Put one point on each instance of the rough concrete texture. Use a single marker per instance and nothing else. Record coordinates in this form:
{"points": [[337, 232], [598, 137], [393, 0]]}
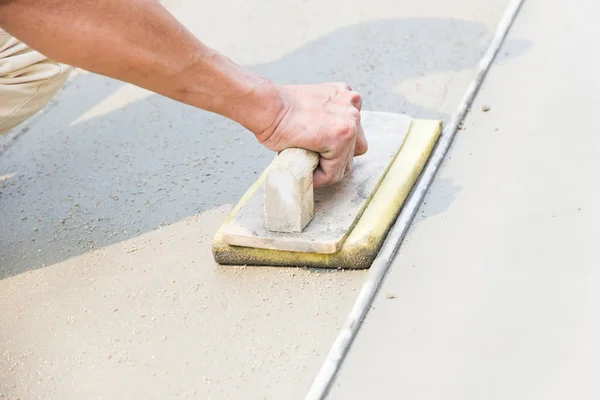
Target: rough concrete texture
{"points": [[94, 177], [151, 318], [495, 293]]}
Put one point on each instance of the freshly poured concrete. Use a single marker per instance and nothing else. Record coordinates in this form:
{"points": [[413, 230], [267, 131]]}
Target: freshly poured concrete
{"points": [[495, 293], [83, 191]]}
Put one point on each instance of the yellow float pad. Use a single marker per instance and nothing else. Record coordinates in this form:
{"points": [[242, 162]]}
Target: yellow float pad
{"points": [[364, 241]]}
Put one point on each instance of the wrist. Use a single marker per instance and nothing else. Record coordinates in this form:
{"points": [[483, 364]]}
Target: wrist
{"points": [[221, 86], [260, 110]]}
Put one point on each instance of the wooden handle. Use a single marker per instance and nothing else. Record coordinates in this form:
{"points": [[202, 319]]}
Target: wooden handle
{"points": [[289, 201]]}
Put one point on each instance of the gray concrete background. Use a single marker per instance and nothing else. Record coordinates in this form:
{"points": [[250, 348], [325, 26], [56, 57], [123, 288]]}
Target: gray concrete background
{"points": [[109, 201], [496, 296]]}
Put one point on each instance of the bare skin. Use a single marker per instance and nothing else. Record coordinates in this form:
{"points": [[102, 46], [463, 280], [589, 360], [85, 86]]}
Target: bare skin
{"points": [[140, 42]]}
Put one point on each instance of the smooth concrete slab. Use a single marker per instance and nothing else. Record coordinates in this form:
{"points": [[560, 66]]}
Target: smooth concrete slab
{"points": [[495, 293], [110, 166]]}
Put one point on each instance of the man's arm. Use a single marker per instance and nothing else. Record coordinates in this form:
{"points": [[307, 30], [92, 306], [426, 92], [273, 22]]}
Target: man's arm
{"points": [[140, 42]]}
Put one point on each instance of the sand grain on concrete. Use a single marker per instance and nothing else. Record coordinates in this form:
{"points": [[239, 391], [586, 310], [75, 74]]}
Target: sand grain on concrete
{"points": [[153, 317]]}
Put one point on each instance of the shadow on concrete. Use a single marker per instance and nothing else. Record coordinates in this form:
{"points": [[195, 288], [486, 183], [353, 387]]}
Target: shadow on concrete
{"points": [[84, 185]]}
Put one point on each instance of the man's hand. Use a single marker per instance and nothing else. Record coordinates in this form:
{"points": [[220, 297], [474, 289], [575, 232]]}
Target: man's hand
{"points": [[323, 118]]}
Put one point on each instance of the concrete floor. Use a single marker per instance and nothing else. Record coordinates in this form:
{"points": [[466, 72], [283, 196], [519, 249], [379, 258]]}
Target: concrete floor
{"points": [[496, 295], [109, 201]]}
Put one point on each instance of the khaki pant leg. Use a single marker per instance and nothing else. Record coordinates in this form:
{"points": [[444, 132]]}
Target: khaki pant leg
{"points": [[28, 81]]}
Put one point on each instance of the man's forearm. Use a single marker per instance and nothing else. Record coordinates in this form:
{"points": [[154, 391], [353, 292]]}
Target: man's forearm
{"points": [[140, 42]]}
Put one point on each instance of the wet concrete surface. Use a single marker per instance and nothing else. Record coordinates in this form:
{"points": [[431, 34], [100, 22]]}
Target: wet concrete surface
{"points": [[109, 201], [151, 317], [495, 296]]}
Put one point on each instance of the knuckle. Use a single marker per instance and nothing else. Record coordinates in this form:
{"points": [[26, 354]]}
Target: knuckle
{"points": [[347, 130], [355, 100], [355, 97], [354, 114]]}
